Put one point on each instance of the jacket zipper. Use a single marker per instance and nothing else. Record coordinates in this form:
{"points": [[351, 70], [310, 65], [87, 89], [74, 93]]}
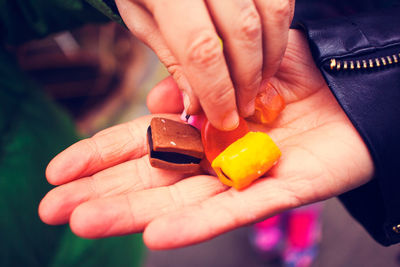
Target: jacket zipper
{"points": [[364, 63]]}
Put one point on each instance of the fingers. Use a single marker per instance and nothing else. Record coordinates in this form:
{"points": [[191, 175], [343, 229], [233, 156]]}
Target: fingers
{"points": [[132, 212], [105, 149], [288, 185], [255, 34], [249, 28], [219, 214], [197, 48], [135, 175], [240, 27], [141, 23], [165, 97], [101, 151], [276, 17]]}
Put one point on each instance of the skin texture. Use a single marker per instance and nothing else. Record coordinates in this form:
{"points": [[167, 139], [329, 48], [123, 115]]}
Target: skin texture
{"points": [[186, 36], [107, 188]]}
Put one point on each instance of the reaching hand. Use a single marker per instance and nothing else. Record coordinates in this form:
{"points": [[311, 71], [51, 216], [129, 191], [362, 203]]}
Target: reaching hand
{"points": [[184, 36], [107, 187]]}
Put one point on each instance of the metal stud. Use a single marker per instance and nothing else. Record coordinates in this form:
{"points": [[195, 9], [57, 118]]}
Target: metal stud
{"points": [[364, 64], [383, 61], [371, 63], [333, 63], [378, 64], [396, 229]]}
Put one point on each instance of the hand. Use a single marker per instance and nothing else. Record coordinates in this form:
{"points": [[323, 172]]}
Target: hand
{"points": [[107, 187], [184, 34]]}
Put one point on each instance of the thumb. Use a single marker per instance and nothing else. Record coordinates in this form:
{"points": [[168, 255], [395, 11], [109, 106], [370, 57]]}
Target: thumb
{"points": [[165, 97]]}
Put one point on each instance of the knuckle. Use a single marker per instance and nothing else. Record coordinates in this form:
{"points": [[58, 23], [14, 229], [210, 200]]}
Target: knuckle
{"points": [[218, 97], [205, 49], [93, 186], [94, 149], [165, 56], [250, 25], [172, 68], [176, 71], [281, 9]]}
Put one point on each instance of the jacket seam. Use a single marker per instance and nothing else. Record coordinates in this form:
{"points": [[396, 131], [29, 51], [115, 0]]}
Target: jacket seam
{"points": [[360, 31]]}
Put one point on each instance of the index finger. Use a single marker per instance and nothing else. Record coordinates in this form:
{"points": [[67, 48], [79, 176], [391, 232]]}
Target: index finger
{"points": [[105, 149], [191, 36]]}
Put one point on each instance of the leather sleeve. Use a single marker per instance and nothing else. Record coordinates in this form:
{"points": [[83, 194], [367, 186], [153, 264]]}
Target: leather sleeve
{"points": [[108, 8], [359, 57]]}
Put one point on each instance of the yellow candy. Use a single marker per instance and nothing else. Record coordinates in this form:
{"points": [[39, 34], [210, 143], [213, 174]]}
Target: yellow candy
{"points": [[246, 159]]}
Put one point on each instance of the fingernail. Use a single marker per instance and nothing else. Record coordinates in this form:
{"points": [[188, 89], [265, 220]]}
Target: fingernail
{"points": [[231, 121], [186, 102], [197, 121], [184, 116]]}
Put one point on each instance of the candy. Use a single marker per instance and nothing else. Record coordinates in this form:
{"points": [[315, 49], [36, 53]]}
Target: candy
{"points": [[268, 104], [238, 157], [174, 145], [246, 159], [215, 141]]}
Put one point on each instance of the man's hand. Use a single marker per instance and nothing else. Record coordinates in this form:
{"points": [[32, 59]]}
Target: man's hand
{"points": [[107, 187], [185, 36]]}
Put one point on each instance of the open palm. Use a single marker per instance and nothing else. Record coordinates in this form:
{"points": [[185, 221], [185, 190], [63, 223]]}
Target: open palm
{"points": [[107, 187]]}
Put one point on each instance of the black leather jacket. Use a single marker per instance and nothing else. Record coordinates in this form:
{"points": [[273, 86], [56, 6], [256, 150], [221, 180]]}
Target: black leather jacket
{"points": [[359, 57]]}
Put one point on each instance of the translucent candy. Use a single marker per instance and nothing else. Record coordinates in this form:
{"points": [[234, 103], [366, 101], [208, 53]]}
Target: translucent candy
{"points": [[269, 103], [215, 141], [239, 157]]}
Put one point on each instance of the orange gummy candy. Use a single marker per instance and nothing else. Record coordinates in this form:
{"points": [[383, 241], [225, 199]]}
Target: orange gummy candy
{"points": [[269, 103], [215, 141]]}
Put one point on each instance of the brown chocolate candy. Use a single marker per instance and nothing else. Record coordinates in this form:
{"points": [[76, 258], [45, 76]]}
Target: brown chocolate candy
{"points": [[174, 145]]}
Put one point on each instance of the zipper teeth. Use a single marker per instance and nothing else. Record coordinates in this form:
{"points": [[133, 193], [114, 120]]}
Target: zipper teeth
{"points": [[364, 63]]}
